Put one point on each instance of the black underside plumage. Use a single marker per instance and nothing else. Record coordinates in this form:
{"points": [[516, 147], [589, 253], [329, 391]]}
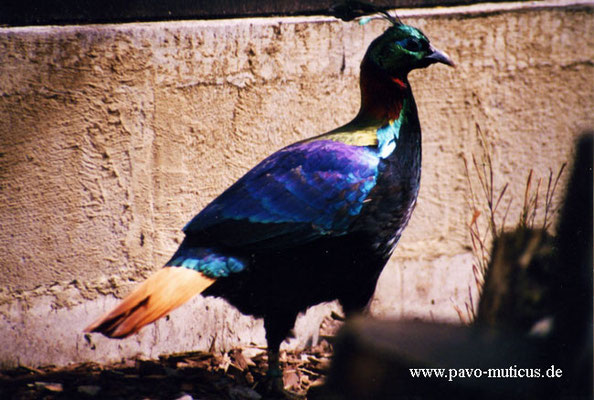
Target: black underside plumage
{"points": [[277, 285]]}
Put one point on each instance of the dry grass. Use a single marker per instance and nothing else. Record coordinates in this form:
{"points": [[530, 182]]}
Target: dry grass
{"points": [[490, 204]]}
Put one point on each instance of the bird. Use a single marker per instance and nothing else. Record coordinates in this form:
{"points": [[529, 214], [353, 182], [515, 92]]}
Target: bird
{"points": [[314, 222]]}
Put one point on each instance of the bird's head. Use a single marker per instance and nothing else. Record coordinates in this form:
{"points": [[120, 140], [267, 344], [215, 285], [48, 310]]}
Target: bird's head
{"points": [[402, 48]]}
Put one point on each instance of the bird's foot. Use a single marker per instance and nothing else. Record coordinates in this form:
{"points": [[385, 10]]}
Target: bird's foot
{"points": [[273, 388]]}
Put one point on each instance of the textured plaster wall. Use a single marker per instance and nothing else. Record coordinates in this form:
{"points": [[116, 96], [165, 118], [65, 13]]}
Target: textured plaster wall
{"points": [[113, 136]]}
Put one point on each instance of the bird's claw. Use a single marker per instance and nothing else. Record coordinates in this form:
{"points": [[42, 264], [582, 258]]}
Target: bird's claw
{"points": [[274, 389]]}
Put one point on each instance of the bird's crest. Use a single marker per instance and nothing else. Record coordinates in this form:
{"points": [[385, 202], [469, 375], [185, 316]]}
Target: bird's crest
{"points": [[352, 9]]}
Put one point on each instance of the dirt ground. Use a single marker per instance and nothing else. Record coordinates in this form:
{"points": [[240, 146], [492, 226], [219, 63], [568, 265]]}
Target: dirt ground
{"points": [[235, 375], [196, 375]]}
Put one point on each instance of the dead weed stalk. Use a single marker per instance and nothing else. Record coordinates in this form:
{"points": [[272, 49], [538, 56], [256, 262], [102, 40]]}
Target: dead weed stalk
{"points": [[490, 207]]}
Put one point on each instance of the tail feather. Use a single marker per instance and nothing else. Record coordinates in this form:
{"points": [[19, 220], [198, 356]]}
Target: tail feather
{"points": [[162, 292]]}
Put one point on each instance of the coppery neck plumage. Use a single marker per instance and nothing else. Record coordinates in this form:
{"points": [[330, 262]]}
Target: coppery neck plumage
{"points": [[382, 95]]}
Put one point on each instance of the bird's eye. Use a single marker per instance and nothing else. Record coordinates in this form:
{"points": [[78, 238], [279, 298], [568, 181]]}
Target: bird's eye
{"points": [[410, 44]]}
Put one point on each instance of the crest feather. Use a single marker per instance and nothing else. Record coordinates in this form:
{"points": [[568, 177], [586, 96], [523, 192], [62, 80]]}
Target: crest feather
{"points": [[351, 9]]}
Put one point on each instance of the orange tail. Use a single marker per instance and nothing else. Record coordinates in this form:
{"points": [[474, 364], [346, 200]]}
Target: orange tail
{"points": [[162, 292]]}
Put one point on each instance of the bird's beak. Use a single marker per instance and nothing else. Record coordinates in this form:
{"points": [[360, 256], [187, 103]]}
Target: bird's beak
{"points": [[439, 56]]}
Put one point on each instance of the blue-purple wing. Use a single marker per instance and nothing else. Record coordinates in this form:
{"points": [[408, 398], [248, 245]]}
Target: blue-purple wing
{"points": [[300, 193]]}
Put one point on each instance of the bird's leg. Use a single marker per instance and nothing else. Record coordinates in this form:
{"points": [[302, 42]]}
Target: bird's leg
{"points": [[274, 369], [274, 375], [277, 328], [274, 386]]}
